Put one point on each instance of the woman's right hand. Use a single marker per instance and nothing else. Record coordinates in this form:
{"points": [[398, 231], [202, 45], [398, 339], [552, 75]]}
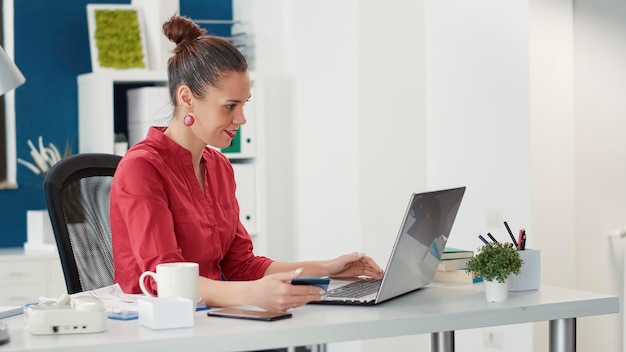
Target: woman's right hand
{"points": [[276, 293]]}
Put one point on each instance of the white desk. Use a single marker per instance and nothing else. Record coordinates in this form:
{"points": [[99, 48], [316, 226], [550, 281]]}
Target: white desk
{"points": [[438, 310]]}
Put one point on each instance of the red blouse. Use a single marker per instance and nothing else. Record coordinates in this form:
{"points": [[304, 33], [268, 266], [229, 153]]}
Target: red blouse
{"points": [[159, 214]]}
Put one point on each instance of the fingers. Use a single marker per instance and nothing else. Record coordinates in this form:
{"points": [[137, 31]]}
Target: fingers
{"points": [[299, 301], [279, 294], [286, 276], [376, 274], [367, 266], [371, 267], [299, 295], [355, 264], [307, 292]]}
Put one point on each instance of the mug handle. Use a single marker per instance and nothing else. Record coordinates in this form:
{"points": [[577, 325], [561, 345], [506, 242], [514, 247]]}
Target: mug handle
{"points": [[142, 278]]}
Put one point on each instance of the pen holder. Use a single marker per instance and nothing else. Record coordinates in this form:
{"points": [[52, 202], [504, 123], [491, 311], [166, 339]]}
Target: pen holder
{"points": [[530, 272]]}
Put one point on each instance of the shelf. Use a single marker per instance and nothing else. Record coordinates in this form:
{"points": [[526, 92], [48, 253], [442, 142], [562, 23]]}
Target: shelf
{"points": [[124, 76]]}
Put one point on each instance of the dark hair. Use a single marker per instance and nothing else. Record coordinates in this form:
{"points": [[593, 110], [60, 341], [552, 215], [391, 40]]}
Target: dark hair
{"points": [[199, 60]]}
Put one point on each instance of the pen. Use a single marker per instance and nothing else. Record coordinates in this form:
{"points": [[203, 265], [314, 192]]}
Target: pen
{"points": [[511, 234], [522, 245], [483, 239], [492, 238], [520, 236]]}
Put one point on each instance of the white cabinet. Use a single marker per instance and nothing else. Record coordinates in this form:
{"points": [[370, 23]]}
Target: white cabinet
{"points": [[101, 98], [102, 112], [24, 277], [246, 195]]}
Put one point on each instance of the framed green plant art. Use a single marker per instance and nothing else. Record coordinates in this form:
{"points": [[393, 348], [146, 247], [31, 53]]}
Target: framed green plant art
{"points": [[117, 38]]}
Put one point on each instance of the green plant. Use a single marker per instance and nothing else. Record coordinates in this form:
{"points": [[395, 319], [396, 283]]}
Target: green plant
{"points": [[118, 39], [495, 261]]}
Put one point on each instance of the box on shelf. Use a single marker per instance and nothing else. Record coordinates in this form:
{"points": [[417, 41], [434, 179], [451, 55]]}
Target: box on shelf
{"points": [[147, 106]]}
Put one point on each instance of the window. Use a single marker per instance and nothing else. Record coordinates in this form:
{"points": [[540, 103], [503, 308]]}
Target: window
{"points": [[7, 112], [3, 147]]}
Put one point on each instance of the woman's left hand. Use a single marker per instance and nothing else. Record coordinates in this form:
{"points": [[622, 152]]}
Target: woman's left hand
{"points": [[353, 265]]}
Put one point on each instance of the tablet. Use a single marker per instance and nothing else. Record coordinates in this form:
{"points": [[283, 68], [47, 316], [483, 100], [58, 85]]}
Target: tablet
{"points": [[248, 314]]}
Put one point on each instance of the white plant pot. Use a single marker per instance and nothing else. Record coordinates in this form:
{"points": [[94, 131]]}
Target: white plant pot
{"points": [[496, 291], [39, 234]]}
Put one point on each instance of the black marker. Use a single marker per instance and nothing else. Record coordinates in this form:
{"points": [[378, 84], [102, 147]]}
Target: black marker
{"points": [[511, 234], [492, 238]]}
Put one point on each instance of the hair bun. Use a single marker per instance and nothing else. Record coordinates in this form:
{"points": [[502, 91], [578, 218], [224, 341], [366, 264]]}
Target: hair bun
{"points": [[180, 28]]}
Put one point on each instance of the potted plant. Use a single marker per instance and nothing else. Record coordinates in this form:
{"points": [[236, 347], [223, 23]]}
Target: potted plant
{"points": [[38, 228], [44, 157], [494, 262]]}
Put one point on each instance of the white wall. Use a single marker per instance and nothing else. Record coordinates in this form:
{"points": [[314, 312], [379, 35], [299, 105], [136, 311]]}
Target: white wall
{"points": [[391, 125], [600, 125], [551, 43], [373, 100], [316, 131], [478, 127], [391, 130], [577, 118]]}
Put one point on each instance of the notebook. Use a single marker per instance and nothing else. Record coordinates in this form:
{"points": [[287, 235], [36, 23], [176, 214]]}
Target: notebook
{"points": [[7, 311], [415, 255]]}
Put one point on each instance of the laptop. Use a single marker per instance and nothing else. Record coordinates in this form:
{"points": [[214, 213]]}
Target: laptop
{"points": [[415, 255]]}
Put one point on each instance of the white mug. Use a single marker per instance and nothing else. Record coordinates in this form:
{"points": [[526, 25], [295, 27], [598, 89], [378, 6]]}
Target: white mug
{"points": [[174, 280]]}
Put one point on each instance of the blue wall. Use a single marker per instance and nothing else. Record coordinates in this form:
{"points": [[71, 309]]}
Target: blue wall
{"points": [[51, 49]]}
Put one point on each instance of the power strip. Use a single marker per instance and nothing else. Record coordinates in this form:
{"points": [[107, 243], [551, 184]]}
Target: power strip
{"points": [[78, 316]]}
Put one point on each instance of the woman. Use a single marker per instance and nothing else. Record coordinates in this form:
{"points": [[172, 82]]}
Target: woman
{"points": [[173, 198]]}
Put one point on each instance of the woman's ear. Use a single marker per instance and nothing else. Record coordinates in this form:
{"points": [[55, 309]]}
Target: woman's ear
{"points": [[184, 98]]}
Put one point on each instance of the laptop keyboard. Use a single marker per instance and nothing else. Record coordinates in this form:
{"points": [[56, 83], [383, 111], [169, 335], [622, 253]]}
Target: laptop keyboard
{"points": [[356, 289]]}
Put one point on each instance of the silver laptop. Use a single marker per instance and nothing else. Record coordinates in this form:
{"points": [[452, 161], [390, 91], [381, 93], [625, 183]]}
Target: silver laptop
{"points": [[415, 255]]}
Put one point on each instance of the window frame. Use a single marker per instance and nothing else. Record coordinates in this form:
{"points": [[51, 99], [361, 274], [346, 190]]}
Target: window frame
{"points": [[8, 163]]}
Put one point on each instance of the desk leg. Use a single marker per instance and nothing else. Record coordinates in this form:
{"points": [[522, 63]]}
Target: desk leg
{"points": [[563, 335], [442, 341]]}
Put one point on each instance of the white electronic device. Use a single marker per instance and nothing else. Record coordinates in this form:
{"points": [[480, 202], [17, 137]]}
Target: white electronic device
{"points": [[4, 333], [84, 314]]}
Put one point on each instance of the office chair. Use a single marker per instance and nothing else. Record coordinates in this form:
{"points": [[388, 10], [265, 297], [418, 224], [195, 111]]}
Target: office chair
{"points": [[77, 196]]}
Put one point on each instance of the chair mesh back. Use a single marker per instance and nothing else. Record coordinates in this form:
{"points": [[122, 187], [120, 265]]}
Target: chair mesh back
{"points": [[86, 210], [77, 196]]}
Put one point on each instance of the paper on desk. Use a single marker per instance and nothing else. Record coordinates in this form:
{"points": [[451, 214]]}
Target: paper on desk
{"points": [[114, 299], [121, 306]]}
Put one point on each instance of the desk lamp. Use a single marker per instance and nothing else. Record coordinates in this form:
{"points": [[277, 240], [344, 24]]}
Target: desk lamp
{"points": [[10, 75]]}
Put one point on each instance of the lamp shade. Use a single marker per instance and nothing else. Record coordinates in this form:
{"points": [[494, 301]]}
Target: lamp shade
{"points": [[10, 75]]}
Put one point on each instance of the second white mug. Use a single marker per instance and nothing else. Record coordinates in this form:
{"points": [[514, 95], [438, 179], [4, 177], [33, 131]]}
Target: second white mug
{"points": [[178, 279]]}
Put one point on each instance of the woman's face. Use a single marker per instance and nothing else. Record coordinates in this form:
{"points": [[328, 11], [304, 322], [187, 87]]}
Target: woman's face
{"points": [[219, 113]]}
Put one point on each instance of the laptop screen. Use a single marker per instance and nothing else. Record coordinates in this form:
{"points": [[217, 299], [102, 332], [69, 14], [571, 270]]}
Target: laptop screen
{"points": [[419, 245]]}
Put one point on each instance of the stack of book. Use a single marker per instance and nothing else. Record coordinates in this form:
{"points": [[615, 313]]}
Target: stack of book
{"points": [[452, 266]]}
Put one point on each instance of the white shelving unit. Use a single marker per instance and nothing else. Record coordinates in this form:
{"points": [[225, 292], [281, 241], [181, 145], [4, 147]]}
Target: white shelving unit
{"points": [[96, 105], [26, 276], [100, 96]]}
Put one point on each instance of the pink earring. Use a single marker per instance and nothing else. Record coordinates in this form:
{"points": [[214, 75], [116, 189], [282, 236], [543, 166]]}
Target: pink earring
{"points": [[188, 120]]}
